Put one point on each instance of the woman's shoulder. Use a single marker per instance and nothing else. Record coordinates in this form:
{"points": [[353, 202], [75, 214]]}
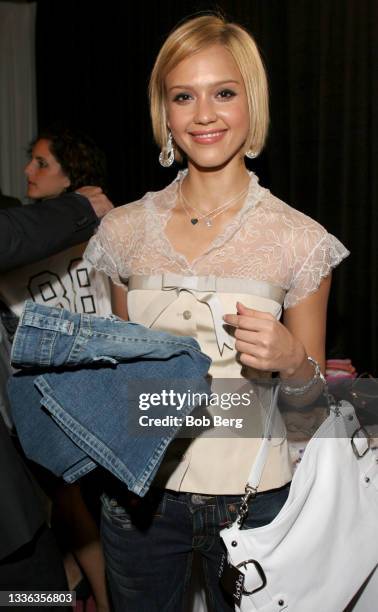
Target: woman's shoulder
{"points": [[286, 224], [307, 252], [289, 217]]}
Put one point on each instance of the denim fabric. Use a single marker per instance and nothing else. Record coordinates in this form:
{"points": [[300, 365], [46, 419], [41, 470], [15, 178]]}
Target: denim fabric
{"points": [[42, 439], [54, 337], [78, 412], [149, 545]]}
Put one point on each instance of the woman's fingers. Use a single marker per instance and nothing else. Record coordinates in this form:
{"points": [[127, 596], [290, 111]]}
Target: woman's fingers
{"points": [[251, 312], [249, 323], [248, 337], [252, 361], [261, 341], [248, 318]]}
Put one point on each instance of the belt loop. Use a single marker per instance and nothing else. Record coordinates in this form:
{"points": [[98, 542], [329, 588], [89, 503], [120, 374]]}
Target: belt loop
{"points": [[222, 509]]}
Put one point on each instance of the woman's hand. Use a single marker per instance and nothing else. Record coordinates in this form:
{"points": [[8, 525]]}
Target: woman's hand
{"points": [[98, 200], [264, 343]]}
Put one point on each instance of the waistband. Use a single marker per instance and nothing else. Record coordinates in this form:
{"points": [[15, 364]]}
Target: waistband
{"points": [[209, 283]]}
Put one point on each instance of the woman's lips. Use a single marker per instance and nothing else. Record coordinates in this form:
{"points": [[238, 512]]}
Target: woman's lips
{"points": [[207, 137], [31, 187]]}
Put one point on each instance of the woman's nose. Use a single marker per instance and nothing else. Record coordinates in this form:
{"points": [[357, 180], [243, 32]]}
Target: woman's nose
{"points": [[28, 170], [205, 111]]}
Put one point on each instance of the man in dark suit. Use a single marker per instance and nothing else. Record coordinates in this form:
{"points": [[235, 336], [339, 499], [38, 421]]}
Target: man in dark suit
{"points": [[30, 233], [29, 558]]}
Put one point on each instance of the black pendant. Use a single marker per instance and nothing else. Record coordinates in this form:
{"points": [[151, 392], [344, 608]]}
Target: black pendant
{"points": [[193, 221]]}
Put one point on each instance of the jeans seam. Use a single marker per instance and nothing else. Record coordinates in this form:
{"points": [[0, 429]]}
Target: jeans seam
{"points": [[209, 593], [188, 574], [176, 501]]}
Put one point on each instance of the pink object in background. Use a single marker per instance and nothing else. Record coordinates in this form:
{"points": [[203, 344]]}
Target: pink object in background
{"points": [[337, 369]]}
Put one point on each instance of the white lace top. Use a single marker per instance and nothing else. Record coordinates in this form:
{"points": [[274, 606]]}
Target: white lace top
{"points": [[268, 241], [270, 253]]}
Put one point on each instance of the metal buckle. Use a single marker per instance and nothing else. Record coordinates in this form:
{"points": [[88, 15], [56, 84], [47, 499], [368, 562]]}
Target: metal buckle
{"points": [[250, 492], [355, 449], [260, 572]]}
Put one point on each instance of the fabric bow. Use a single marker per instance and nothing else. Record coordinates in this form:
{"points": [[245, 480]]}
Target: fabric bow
{"points": [[203, 288]]}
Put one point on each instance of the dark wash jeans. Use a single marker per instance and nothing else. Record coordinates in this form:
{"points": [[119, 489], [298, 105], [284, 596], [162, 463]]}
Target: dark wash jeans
{"points": [[149, 544]]}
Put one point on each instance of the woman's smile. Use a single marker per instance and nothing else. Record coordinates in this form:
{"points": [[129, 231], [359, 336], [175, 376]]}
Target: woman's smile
{"points": [[208, 137]]}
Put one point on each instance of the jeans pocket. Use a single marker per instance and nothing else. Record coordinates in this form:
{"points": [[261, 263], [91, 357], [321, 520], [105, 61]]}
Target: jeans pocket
{"points": [[232, 506], [138, 512], [115, 513]]}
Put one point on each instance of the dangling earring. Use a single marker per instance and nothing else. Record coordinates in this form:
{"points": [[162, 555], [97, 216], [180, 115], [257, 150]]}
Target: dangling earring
{"points": [[251, 154], [167, 154]]}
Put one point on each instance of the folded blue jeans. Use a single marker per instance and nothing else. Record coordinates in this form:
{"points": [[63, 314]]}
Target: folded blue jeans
{"points": [[74, 404]]}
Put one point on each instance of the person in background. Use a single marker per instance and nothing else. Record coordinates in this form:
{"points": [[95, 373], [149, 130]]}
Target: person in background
{"points": [[29, 556], [30, 233], [213, 247], [63, 162]]}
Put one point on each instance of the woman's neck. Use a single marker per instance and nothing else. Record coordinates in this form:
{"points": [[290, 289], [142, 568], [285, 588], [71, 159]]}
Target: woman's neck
{"points": [[210, 188]]}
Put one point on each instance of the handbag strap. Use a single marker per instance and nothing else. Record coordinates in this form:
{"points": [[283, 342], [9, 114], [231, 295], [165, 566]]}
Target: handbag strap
{"points": [[261, 458]]}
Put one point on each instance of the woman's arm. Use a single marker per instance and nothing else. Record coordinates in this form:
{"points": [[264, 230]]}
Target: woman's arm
{"points": [[266, 344], [307, 322], [119, 301]]}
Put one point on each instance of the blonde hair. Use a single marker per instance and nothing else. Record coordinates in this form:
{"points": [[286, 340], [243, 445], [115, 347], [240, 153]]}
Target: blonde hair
{"points": [[198, 34]]}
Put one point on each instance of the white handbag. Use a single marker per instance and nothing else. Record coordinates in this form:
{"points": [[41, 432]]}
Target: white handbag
{"points": [[323, 544]]}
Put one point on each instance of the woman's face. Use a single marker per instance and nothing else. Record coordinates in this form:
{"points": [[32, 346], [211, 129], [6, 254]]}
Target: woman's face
{"points": [[46, 178], [207, 108]]}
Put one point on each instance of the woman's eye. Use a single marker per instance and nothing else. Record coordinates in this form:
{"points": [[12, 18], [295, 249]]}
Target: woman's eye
{"points": [[42, 164], [226, 93], [182, 97]]}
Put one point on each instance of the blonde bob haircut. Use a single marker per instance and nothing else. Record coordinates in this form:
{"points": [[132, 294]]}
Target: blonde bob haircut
{"points": [[198, 34]]}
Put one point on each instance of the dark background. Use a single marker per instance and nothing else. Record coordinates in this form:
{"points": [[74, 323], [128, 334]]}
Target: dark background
{"points": [[93, 65]]}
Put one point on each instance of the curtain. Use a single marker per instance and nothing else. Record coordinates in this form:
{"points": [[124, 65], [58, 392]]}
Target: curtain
{"points": [[322, 155], [321, 58], [18, 113]]}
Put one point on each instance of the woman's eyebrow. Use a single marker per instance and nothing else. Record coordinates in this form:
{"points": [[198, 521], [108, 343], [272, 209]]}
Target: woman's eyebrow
{"points": [[216, 84]]}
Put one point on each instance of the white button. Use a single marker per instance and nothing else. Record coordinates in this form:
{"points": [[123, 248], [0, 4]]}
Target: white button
{"points": [[187, 314]]}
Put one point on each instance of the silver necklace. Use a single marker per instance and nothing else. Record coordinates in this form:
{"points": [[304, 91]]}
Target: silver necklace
{"points": [[209, 216]]}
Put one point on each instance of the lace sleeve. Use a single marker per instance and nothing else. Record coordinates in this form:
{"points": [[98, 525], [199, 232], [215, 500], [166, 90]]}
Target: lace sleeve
{"points": [[107, 249], [325, 253]]}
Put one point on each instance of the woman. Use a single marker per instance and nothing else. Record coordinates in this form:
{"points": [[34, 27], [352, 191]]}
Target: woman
{"points": [[62, 161], [213, 241]]}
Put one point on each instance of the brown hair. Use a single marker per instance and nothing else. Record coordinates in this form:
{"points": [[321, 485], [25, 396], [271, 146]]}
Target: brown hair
{"points": [[80, 158]]}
